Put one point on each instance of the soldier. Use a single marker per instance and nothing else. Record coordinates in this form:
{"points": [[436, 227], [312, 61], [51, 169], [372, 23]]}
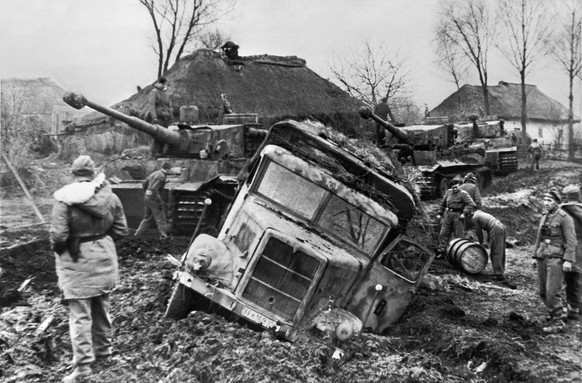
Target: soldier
{"points": [[155, 208], [451, 208], [86, 217], [554, 252], [535, 153], [495, 230], [160, 110], [573, 275], [470, 186], [381, 110]]}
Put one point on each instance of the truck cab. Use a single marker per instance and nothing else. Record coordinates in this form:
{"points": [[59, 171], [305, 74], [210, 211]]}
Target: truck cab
{"points": [[301, 248]]}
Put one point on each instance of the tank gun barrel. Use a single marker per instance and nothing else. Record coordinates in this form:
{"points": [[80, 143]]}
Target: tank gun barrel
{"points": [[159, 133], [401, 136]]}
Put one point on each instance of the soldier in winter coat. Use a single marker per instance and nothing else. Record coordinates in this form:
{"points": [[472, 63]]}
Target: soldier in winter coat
{"points": [[554, 252], [86, 218]]}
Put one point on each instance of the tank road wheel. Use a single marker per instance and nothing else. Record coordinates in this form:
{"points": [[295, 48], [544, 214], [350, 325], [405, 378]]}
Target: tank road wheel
{"points": [[443, 186], [182, 301]]}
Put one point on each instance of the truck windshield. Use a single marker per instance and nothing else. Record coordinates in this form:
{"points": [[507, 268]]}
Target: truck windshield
{"points": [[336, 216]]}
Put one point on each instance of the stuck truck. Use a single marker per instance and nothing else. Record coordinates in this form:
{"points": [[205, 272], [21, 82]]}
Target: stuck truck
{"points": [[313, 242]]}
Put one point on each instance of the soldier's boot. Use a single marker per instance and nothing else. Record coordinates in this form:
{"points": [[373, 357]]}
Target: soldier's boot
{"points": [[80, 372], [555, 325]]}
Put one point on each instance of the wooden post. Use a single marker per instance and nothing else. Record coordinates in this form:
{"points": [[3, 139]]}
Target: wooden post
{"points": [[23, 187]]}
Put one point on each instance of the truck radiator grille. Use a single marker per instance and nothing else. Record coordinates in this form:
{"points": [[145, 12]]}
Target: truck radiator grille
{"points": [[281, 279], [508, 161]]}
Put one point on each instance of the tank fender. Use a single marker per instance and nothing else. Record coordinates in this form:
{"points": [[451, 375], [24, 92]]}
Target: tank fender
{"points": [[210, 259]]}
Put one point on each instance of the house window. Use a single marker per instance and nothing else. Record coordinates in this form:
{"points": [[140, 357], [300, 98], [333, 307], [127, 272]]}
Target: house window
{"points": [[540, 132]]}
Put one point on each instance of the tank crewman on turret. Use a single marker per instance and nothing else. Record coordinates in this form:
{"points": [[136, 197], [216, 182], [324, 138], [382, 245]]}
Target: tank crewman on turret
{"points": [[535, 153], [554, 252], [495, 230], [381, 110], [160, 109], [573, 275], [154, 205], [452, 206], [470, 186]]}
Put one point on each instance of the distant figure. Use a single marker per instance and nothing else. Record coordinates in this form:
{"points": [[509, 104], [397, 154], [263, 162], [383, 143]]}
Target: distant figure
{"points": [[573, 275], [535, 152], [226, 108], [381, 110], [86, 218], [470, 186], [155, 209], [160, 110], [554, 252]]}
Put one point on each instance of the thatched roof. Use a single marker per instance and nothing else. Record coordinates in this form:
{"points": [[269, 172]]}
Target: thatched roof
{"points": [[273, 87], [505, 102]]}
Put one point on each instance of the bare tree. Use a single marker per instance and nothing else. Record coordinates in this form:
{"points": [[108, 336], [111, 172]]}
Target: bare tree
{"points": [[565, 48], [177, 22], [450, 58], [371, 74], [525, 25], [469, 27]]}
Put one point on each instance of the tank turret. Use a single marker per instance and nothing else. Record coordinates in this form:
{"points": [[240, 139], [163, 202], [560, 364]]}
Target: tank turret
{"points": [[205, 161], [399, 134], [184, 141]]}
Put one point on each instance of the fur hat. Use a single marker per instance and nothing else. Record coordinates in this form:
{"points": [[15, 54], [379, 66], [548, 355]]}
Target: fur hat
{"points": [[554, 194], [83, 166]]}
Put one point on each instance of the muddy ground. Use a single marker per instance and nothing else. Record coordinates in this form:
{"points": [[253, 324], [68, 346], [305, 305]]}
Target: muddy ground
{"points": [[459, 328]]}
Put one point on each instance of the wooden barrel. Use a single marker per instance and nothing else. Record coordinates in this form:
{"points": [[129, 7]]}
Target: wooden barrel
{"points": [[466, 255]]}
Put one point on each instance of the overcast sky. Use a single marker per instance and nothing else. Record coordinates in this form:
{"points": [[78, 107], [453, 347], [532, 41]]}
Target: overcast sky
{"points": [[101, 47]]}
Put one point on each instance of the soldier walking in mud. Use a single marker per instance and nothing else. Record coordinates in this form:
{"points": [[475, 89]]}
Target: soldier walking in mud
{"points": [[554, 253], [535, 153], [86, 218], [452, 206], [155, 209], [573, 275]]}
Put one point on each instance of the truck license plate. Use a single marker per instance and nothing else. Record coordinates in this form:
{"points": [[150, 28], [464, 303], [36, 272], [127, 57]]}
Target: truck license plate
{"points": [[258, 318]]}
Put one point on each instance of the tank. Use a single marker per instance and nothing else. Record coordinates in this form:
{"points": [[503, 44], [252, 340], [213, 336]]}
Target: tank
{"points": [[500, 145], [437, 154], [205, 159]]}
